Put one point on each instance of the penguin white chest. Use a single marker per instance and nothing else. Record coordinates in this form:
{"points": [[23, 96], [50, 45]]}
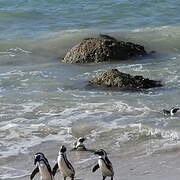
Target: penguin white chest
{"points": [[105, 171], [44, 172], [81, 148], [64, 169]]}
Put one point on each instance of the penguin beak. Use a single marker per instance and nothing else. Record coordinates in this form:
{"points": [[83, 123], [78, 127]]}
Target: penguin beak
{"points": [[35, 161], [97, 152], [37, 158]]}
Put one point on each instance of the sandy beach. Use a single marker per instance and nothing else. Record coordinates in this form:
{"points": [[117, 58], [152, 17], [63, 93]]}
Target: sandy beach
{"points": [[127, 166]]}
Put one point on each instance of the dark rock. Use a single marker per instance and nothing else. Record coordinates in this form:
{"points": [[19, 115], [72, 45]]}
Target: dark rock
{"points": [[115, 78], [104, 36], [103, 48]]}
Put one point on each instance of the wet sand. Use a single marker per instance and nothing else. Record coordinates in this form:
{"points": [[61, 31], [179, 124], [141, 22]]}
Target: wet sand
{"points": [[164, 166], [157, 166]]}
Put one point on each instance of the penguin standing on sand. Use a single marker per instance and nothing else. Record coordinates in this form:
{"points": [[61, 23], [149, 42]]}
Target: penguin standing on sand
{"points": [[65, 167], [104, 164], [78, 145], [170, 112], [43, 167]]}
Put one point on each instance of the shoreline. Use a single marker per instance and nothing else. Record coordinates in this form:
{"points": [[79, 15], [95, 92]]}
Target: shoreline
{"points": [[129, 166]]}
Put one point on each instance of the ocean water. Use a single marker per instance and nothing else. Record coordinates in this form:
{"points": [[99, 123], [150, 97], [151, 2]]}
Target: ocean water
{"points": [[45, 103]]}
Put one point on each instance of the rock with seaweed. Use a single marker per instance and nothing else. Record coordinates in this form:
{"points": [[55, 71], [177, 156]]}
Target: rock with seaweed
{"points": [[117, 79], [103, 48]]}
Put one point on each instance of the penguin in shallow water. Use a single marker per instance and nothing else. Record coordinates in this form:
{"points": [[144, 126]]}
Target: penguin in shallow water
{"points": [[43, 167], [104, 164], [78, 145], [170, 112], [65, 167]]}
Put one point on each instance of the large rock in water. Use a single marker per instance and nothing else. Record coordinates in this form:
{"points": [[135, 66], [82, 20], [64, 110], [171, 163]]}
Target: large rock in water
{"points": [[115, 78], [101, 49]]}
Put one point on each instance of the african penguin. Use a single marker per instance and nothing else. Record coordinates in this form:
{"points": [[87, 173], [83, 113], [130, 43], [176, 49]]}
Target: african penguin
{"points": [[78, 145], [65, 167], [104, 164], [43, 167], [170, 112]]}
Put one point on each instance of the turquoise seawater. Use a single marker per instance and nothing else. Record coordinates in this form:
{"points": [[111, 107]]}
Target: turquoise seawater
{"points": [[29, 18], [45, 103]]}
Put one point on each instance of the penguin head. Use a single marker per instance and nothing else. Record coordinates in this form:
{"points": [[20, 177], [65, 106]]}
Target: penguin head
{"points": [[101, 152], [62, 149], [174, 110], [81, 139], [38, 156]]}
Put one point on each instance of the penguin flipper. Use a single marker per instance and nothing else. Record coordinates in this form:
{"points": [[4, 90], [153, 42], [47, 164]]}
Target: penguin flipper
{"points": [[73, 149], [55, 168], [95, 167], [108, 164], [108, 161], [35, 171]]}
